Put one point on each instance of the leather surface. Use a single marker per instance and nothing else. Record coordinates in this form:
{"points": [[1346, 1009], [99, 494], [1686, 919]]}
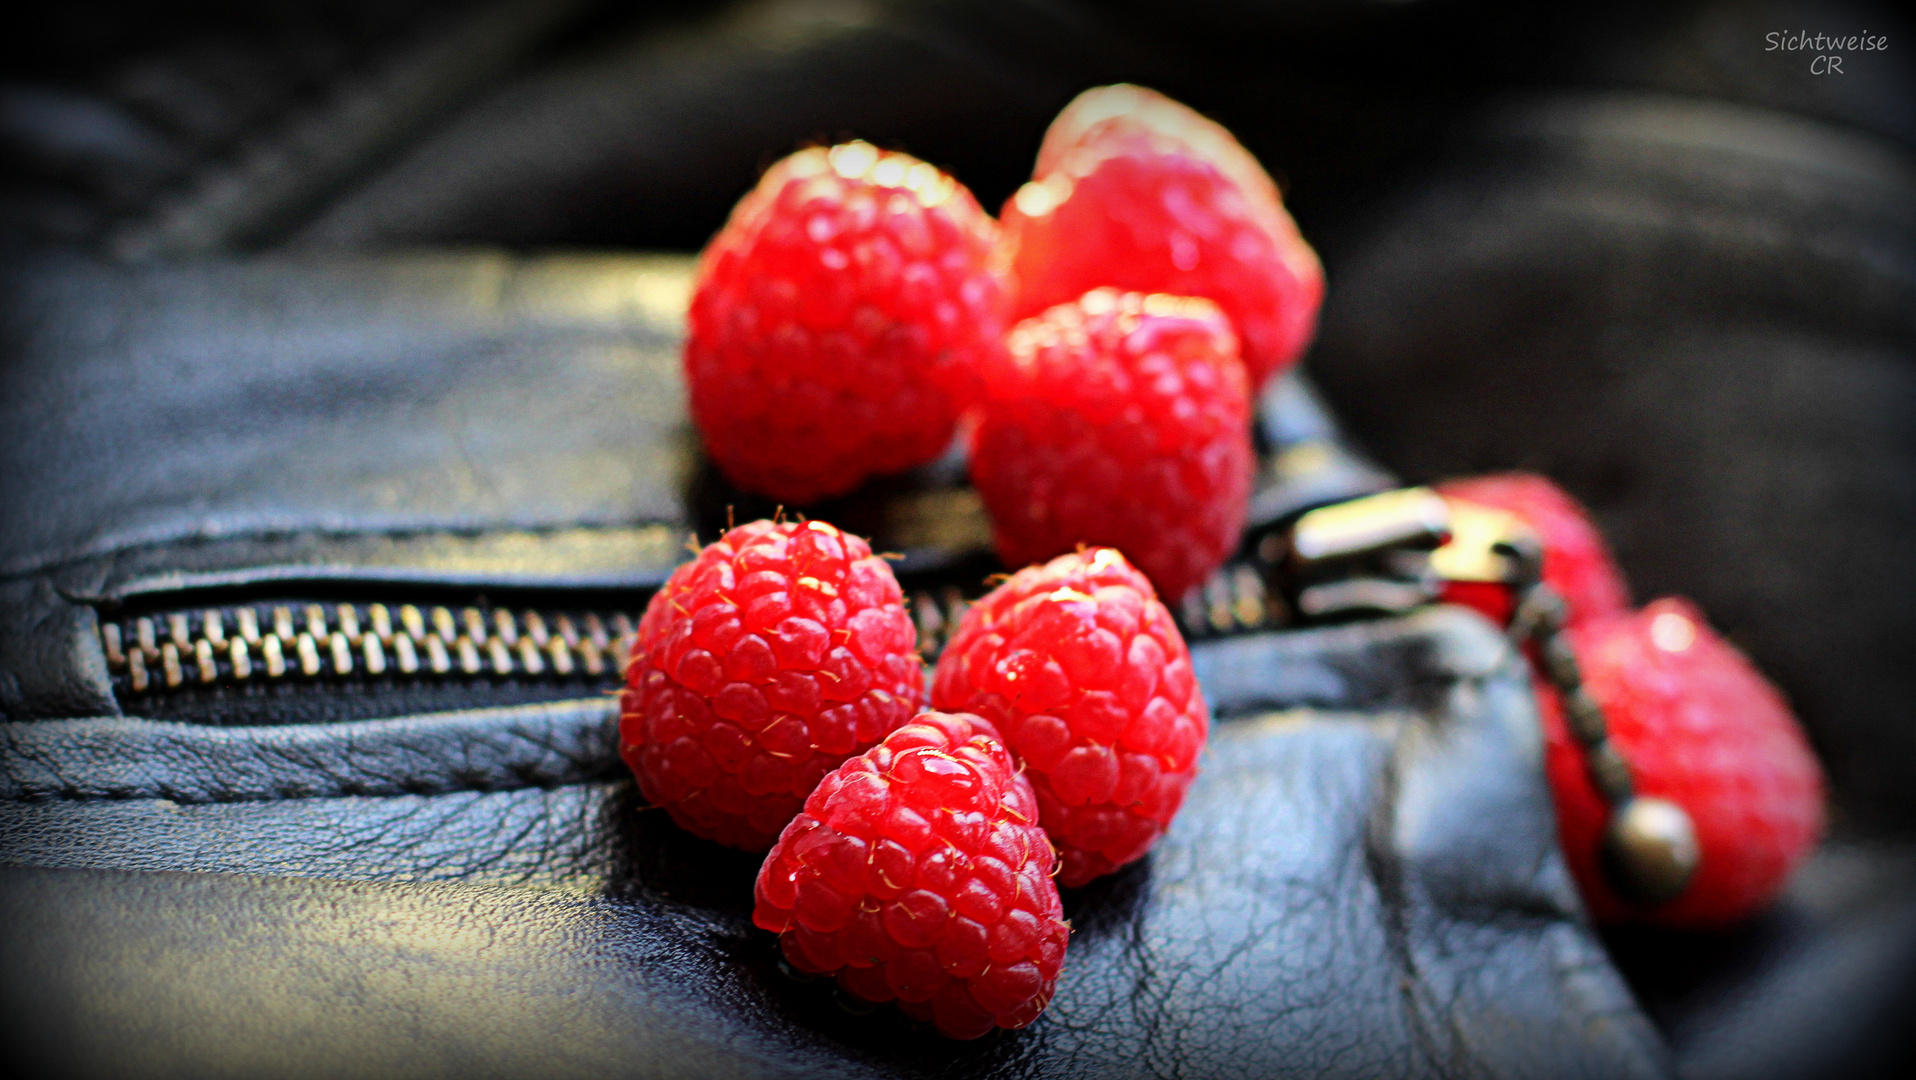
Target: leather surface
{"points": [[1821, 986], [646, 138], [119, 122], [118, 758], [451, 420], [423, 426], [1701, 319], [642, 135], [1608, 266], [1362, 884], [1596, 284], [510, 811], [430, 392]]}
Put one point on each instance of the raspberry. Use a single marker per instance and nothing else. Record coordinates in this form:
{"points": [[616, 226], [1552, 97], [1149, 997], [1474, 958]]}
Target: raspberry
{"points": [[778, 652], [917, 873], [1082, 668], [1136, 191], [838, 321], [1576, 562], [1118, 419], [1701, 728]]}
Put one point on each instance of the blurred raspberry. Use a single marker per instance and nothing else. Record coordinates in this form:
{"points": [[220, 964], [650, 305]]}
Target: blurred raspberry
{"points": [[917, 873], [839, 320], [1135, 191], [1700, 727], [1118, 419], [1082, 668], [778, 652], [1576, 562]]}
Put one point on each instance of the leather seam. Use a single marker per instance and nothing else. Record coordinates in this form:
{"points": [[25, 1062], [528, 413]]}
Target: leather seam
{"points": [[343, 791], [48, 564], [118, 759]]}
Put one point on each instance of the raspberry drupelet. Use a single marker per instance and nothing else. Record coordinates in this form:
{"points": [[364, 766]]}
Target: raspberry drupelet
{"points": [[1702, 728], [1135, 191], [1083, 670], [917, 873], [775, 654], [1118, 419], [838, 321]]}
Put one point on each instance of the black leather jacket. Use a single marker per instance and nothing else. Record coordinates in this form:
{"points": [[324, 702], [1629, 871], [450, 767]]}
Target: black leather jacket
{"points": [[290, 328]]}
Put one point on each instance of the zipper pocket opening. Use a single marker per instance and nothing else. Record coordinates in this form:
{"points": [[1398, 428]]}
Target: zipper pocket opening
{"points": [[334, 649], [338, 652]]}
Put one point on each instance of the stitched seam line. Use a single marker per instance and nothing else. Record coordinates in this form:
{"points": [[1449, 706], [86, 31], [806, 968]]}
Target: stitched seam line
{"points": [[294, 792], [32, 564]]}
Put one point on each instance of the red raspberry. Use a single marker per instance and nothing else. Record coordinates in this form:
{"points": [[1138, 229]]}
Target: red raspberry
{"points": [[1118, 419], [778, 652], [1700, 727], [1576, 562], [918, 872], [839, 319], [1082, 668], [1136, 191]]}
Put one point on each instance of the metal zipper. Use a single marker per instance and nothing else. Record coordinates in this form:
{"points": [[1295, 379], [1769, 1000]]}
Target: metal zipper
{"points": [[1234, 601], [267, 643], [283, 643]]}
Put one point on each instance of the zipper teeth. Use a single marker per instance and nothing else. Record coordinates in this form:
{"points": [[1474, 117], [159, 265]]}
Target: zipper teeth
{"points": [[272, 643], [1234, 601], [252, 644]]}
